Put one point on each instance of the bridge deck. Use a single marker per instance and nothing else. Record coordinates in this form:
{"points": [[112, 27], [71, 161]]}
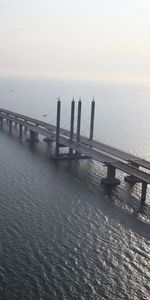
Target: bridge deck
{"points": [[94, 149], [105, 159]]}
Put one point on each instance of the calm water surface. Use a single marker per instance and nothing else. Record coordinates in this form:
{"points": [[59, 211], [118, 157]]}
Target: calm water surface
{"points": [[62, 234]]}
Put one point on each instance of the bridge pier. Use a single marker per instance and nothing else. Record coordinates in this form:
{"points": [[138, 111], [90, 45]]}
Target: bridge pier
{"points": [[33, 137], [110, 179], [1, 121], [130, 178], [10, 125], [143, 193], [20, 130]]}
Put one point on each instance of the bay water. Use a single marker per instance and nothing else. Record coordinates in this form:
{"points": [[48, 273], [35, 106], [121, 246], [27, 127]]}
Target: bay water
{"points": [[62, 234]]}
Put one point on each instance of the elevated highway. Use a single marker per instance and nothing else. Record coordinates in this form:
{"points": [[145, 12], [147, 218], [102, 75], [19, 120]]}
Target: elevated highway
{"points": [[80, 146]]}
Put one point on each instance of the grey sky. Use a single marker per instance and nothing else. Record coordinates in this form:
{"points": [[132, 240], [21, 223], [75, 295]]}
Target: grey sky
{"points": [[94, 40]]}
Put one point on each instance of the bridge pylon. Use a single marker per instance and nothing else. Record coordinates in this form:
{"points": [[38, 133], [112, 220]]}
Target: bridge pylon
{"points": [[92, 119], [72, 138], [72, 125]]}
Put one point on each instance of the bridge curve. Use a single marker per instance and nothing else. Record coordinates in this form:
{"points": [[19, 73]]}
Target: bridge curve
{"points": [[83, 147]]}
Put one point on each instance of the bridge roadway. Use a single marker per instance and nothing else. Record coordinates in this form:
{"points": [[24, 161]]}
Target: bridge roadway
{"points": [[111, 151], [48, 130]]}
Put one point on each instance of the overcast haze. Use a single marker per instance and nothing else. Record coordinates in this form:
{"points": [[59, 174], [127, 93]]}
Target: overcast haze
{"points": [[93, 40]]}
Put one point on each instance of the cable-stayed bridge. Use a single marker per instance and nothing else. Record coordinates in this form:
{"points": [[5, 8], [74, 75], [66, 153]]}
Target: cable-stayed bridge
{"points": [[80, 147]]}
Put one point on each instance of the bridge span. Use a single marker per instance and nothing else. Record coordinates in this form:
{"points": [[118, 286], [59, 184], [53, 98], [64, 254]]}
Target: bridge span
{"points": [[137, 169]]}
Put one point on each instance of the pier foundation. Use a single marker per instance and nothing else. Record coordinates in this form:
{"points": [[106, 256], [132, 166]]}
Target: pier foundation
{"points": [[130, 178], [110, 180], [49, 139], [33, 137]]}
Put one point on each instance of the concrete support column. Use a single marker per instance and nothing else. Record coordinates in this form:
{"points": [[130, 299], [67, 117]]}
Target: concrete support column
{"points": [[92, 119], [72, 125], [143, 193], [10, 125], [131, 178], [33, 137], [1, 121], [25, 129], [58, 127], [20, 130], [33, 134], [110, 179], [15, 124]]}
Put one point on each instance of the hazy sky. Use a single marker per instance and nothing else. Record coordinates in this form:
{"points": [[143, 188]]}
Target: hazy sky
{"points": [[82, 39]]}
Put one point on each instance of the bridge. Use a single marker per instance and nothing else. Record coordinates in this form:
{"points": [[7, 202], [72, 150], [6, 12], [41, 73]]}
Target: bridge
{"points": [[81, 147]]}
